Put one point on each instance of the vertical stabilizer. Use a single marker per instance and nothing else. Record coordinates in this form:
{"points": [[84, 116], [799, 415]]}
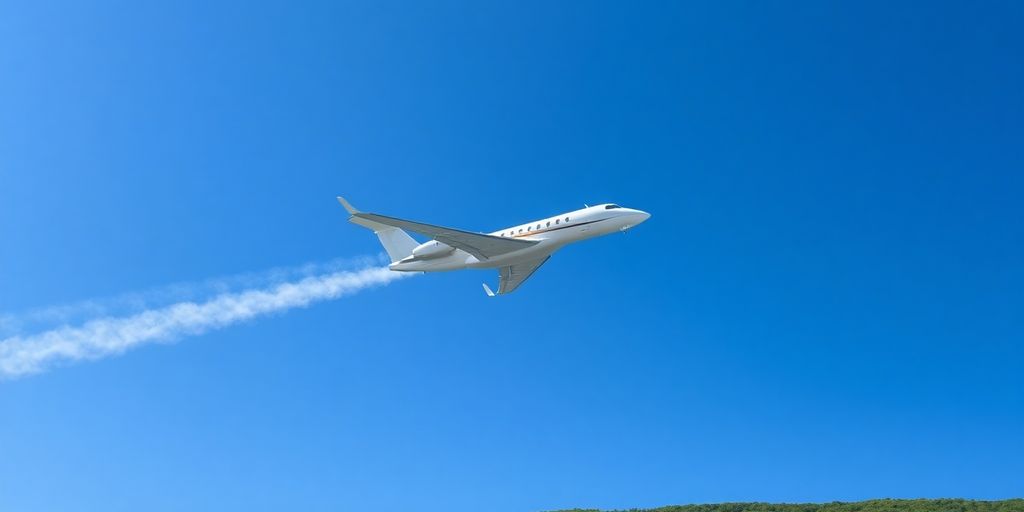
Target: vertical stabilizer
{"points": [[396, 242]]}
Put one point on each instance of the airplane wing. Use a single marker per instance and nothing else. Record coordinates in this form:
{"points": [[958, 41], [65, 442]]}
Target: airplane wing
{"points": [[514, 275], [478, 244]]}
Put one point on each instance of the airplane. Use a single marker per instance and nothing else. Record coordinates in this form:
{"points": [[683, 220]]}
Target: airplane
{"points": [[517, 252]]}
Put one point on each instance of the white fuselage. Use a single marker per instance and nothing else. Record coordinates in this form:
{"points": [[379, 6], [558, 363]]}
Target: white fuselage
{"points": [[551, 234]]}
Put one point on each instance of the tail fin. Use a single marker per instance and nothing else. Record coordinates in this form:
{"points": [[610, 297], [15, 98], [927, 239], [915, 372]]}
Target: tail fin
{"points": [[396, 242]]}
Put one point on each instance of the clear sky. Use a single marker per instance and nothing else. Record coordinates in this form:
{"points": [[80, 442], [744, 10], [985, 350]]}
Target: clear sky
{"points": [[826, 304]]}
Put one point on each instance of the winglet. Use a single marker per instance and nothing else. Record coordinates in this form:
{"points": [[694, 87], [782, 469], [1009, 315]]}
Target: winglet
{"points": [[488, 290], [351, 209]]}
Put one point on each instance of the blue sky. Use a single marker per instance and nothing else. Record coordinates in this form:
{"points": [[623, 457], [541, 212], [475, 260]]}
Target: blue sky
{"points": [[826, 304]]}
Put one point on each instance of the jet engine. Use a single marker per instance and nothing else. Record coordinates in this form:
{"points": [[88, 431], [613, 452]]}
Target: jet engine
{"points": [[431, 249]]}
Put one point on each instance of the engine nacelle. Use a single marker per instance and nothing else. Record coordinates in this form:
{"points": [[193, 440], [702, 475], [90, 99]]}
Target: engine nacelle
{"points": [[431, 249]]}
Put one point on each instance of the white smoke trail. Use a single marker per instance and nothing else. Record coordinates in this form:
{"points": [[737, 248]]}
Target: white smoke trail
{"points": [[44, 318], [102, 337]]}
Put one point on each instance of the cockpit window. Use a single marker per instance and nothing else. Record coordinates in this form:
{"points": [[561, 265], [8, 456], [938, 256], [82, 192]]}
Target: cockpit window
{"points": [[611, 206]]}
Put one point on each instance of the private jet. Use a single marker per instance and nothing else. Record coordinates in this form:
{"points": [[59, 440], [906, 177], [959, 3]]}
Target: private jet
{"points": [[517, 252]]}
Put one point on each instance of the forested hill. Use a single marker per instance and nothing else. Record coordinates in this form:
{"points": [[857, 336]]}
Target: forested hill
{"points": [[942, 505]]}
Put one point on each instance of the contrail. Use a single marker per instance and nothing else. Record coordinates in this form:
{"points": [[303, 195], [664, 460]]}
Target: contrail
{"points": [[107, 336], [45, 318]]}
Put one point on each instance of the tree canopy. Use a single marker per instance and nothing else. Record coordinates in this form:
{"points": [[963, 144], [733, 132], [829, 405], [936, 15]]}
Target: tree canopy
{"points": [[886, 505]]}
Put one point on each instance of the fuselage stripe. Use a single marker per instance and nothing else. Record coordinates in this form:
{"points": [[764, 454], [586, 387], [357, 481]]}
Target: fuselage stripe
{"points": [[532, 233]]}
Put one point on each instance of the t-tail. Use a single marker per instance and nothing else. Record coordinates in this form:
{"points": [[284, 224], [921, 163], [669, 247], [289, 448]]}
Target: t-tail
{"points": [[396, 242]]}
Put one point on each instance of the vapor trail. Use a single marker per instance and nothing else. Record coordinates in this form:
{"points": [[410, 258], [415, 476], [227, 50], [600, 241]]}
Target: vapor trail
{"points": [[107, 336]]}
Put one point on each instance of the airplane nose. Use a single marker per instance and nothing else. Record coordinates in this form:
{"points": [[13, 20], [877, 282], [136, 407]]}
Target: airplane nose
{"points": [[632, 218]]}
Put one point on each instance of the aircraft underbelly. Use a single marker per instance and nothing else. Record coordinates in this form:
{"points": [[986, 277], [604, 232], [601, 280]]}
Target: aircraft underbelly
{"points": [[544, 248]]}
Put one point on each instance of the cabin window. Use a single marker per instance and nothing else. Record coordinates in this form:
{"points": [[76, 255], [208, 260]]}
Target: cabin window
{"points": [[567, 219], [558, 221], [549, 224], [520, 230], [538, 226]]}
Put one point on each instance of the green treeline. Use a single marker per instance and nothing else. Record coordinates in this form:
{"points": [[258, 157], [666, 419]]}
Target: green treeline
{"points": [[941, 505]]}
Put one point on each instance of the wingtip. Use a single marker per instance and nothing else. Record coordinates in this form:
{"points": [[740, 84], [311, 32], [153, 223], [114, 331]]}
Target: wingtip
{"points": [[487, 289], [348, 206]]}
